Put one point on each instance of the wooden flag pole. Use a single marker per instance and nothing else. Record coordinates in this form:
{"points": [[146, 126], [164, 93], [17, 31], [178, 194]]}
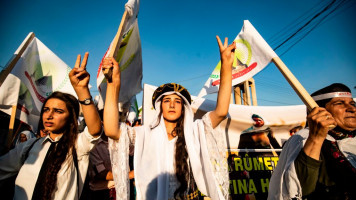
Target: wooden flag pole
{"points": [[18, 53], [116, 44], [298, 88], [10, 134]]}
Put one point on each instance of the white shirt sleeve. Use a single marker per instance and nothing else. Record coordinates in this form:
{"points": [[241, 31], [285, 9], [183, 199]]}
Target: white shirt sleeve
{"points": [[85, 143]]}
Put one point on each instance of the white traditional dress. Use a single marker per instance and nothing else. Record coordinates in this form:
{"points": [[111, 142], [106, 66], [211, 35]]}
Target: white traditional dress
{"points": [[154, 157]]}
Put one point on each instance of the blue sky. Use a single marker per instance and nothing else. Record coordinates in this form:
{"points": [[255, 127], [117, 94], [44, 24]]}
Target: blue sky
{"points": [[178, 39]]}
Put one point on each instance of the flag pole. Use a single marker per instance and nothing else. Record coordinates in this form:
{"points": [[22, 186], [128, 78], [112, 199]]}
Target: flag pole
{"points": [[116, 44], [10, 134], [293, 81], [18, 53]]}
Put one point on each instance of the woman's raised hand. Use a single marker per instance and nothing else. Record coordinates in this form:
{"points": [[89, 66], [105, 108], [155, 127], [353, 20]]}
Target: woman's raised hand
{"points": [[319, 121], [79, 77], [108, 63], [111, 110], [227, 52]]}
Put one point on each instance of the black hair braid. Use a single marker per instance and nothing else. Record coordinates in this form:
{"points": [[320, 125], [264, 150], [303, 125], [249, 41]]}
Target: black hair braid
{"points": [[181, 158]]}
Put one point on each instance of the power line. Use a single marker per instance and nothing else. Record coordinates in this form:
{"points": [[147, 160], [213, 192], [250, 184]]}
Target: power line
{"points": [[306, 24], [275, 40], [316, 25], [341, 10]]}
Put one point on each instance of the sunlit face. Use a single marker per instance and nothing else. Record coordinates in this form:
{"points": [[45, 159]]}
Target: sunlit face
{"points": [[258, 122], [172, 107], [55, 116], [344, 112]]}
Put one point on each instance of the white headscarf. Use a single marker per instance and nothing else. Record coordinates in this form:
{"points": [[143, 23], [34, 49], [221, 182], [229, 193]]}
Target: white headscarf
{"points": [[151, 174], [28, 135]]}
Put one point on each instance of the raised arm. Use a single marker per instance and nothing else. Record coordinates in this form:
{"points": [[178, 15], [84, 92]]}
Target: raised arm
{"points": [[79, 79], [227, 53], [111, 110]]}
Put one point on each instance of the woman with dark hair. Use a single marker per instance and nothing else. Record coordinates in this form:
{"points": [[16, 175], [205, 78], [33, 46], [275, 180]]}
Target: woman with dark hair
{"points": [[174, 155], [56, 165], [319, 162]]}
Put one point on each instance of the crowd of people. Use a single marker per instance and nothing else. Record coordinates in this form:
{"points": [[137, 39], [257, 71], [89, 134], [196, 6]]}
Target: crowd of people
{"points": [[173, 157]]}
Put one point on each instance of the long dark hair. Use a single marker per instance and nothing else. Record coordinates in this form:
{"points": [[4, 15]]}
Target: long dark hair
{"points": [[181, 158], [181, 155], [65, 146]]}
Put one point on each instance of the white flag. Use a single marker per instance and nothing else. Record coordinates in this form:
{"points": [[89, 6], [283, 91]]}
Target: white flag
{"points": [[252, 54], [37, 74], [129, 58]]}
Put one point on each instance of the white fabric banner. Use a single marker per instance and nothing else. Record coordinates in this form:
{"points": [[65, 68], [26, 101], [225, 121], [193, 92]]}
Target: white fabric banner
{"points": [[129, 58], [252, 54], [37, 74], [279, 120]]}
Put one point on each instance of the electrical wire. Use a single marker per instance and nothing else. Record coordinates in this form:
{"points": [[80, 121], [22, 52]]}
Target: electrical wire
{"points": [[306, 24]]}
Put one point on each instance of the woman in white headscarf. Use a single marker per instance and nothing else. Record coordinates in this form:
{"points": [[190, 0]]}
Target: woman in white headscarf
{"points": [[24, 136], [174, 155]]}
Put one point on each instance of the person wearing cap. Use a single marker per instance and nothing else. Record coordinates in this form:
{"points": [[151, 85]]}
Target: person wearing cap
{"points": [[258, 136], [319, 162], [174, 155]]}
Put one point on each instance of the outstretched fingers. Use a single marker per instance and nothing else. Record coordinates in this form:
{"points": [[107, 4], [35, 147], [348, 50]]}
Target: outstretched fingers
{"points": [[77, 62], [81, 65], [219, 42], [226, 43], [85, 60]]}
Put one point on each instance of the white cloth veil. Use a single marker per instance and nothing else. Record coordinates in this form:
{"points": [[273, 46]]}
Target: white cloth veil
{"points": [[206, 150]]}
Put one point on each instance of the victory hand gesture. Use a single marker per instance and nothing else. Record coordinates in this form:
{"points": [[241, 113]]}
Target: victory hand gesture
{"points": [[79, 77], [227, 52]]}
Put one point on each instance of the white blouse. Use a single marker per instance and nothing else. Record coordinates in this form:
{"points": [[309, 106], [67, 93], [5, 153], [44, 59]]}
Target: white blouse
{"points": [[66, 187]]}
